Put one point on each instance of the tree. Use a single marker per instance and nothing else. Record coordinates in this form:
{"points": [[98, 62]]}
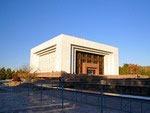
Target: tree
{"points": [[25, 73], [145, 70], [133, 69], [124, 69], [8, 73], [2, 73]]}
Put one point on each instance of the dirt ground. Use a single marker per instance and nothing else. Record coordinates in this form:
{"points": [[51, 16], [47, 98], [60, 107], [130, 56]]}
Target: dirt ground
{"points": [[21, 102], [24, 100]]}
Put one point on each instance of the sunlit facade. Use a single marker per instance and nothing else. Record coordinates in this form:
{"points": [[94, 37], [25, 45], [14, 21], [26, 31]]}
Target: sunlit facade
{"points": [[74, 55]]}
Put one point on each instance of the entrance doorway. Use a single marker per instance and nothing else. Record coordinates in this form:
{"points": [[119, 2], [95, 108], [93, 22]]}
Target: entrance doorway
{"points": [[91, 71]]}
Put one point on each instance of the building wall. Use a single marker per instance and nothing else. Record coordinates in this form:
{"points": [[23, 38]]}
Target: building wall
{"points": [[111, 64], [65, 55], [38, 64], [47, 62]]}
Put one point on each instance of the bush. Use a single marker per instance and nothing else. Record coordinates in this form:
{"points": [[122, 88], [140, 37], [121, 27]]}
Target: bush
{"points": [[25, 74], [16, 78]]}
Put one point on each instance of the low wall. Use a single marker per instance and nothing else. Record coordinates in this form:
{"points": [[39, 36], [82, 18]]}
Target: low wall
{"points": [[118, 89], [124, 76], [49, 75], [59, 74]]}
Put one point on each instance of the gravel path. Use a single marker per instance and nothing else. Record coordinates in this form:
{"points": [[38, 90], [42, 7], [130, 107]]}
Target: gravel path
{"points": [[49, 101], [20, 102]]}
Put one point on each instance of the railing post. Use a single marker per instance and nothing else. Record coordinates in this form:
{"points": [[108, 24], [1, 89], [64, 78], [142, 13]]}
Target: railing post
{"points": [[130, 105], [11, 89], [75, 91], [62, 96], [20, 87], [99, 97], [28, 89], [41, 91], [121, 104], [141, 107], [51, 92], [101, 93]]}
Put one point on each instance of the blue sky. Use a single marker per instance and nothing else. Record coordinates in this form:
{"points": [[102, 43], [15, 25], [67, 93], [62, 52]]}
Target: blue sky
{"points": [[121, 23]]}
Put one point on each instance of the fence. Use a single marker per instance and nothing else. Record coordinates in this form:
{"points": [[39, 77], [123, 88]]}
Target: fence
{"points": [[106, 102], [48, 93], [112, 88]]}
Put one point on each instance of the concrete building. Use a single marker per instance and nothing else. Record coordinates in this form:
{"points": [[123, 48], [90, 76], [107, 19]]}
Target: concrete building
{"points": [[74, 55]]}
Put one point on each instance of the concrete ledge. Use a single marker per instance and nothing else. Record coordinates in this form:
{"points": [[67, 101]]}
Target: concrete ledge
{"points": [[47, 75], [59, 74]]}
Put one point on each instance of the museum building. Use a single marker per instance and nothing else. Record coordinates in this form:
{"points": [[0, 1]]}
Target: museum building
{"points": [[75, 56]]}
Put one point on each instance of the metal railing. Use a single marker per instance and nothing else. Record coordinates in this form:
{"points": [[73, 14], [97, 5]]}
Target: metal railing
{"points": [[107, 103], [126, 104]]}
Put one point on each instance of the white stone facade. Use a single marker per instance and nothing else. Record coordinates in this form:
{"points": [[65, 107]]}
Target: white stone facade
{"points": [[59, 54]]}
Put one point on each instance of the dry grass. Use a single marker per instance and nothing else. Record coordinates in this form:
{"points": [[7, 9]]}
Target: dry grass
{"points": [[13, 83]]}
